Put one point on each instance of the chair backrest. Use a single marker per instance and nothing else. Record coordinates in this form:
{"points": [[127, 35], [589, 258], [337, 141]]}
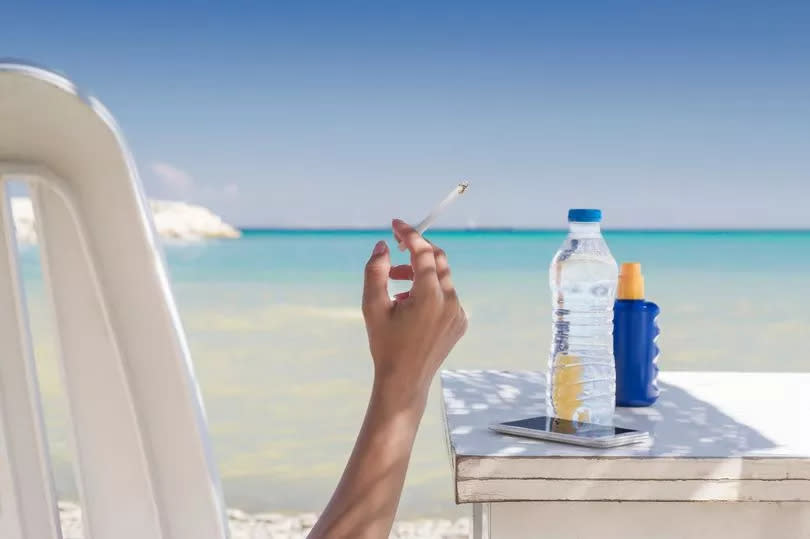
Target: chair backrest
{"points": [[143, 463]]}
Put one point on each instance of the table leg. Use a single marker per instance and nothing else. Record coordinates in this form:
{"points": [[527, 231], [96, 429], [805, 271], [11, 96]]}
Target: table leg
{"points": [[481, 521]]}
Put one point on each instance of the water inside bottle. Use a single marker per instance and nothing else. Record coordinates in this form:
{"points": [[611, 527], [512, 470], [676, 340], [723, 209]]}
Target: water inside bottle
{"points": [[581, 378]]}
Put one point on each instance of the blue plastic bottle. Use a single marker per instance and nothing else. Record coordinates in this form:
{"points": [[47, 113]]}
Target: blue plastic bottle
{"points": [[634, 334]]}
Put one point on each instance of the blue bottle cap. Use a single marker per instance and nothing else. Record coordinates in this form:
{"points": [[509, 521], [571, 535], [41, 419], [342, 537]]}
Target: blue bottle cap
{"points": [[580, 215]]}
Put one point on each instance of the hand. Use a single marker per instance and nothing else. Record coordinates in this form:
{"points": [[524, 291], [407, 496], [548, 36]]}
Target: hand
{"points": [[411, 335]]}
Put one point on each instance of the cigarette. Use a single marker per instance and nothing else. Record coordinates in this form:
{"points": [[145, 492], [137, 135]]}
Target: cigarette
{"points": [[425, 223]]}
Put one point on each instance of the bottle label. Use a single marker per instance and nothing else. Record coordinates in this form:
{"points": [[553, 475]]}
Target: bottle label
{"points": [[568, 388]]}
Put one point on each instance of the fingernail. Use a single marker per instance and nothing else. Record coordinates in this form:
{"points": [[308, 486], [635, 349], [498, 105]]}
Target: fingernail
{"points": [[379, 248], [395, 225]]}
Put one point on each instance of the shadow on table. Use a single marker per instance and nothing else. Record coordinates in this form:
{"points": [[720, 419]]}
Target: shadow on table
{"points": [[681, 424], [693, 438]]}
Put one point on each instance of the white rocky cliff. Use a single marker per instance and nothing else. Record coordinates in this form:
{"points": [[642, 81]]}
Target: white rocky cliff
{"points": [[173, 220]]}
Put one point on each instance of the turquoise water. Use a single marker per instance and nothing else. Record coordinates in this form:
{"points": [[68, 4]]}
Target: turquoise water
{"points": [[278, 343]]}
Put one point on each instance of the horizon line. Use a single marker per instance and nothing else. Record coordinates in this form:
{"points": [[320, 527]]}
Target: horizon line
{"points": [[511, 229]]}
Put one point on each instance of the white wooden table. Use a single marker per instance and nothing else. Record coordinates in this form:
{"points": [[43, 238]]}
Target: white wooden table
{"points": [[730, 457]]}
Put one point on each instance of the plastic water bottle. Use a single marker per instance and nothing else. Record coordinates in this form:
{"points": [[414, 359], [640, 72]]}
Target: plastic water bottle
{"points": [[581, 378]]}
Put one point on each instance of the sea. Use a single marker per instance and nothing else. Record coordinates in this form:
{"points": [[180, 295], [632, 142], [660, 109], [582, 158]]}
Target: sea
{"points": [[279, 347]]}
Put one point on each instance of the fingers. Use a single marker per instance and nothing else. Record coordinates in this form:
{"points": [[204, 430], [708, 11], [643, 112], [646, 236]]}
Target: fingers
{"points": [[443, 270], [376, 301], [403, 272], [423, 260]]}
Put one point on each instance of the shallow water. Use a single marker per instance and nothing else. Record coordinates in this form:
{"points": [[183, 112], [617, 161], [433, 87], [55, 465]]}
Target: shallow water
{"points": [[280, 351]]}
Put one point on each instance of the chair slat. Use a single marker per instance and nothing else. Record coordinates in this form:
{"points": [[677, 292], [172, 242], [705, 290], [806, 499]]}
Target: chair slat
{"points": [[27, 501]]}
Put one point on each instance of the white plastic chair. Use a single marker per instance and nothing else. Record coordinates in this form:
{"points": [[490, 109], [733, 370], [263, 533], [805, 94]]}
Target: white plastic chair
{"points": [[143, 463]]}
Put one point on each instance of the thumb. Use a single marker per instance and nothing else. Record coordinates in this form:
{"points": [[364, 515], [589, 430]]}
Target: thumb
{"points": [[375, 290]]}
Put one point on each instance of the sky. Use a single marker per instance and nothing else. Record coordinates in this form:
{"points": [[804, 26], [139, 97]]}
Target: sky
{"points": [[665, 114]]}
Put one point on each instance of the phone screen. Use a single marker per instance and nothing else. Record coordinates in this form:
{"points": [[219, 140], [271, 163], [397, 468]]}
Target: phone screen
{"points": [[564, 426]]}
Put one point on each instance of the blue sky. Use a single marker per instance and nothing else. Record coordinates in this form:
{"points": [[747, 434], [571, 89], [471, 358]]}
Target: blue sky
{"points": [[664, 114]]}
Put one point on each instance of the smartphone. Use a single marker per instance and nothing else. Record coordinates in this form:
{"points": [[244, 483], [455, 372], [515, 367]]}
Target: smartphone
{"points": [[554, 429]]}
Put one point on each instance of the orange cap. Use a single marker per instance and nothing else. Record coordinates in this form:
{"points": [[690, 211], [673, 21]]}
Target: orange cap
{"points": [[631, 282]]}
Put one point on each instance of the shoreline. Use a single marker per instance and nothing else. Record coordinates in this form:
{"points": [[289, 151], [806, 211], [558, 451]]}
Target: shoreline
{"points": [[274, 525]]}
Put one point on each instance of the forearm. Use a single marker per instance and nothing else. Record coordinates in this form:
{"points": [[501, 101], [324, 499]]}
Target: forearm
{"points": [[409, 337], [365, 501]]}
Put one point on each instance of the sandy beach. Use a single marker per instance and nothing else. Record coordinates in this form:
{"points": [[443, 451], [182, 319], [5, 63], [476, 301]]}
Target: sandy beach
{"points": [[291, 526]]}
